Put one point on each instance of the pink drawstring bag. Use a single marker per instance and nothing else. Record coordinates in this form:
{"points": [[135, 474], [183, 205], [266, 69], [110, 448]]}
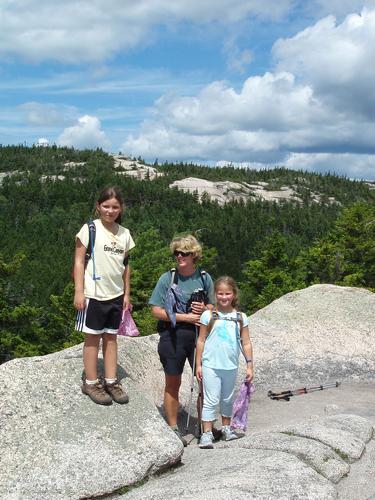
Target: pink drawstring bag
{"points": [[127, 326]]}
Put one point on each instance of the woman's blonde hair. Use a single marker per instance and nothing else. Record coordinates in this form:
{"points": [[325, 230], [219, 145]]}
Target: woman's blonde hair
{"points": [[228, 281], [187, 243]]}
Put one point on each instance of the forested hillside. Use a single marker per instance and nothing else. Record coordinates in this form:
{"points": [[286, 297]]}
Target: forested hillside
{"points": [[270, 248]]}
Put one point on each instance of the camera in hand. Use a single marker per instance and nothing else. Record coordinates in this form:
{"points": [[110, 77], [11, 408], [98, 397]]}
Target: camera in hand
{"points": [[198, 295]]}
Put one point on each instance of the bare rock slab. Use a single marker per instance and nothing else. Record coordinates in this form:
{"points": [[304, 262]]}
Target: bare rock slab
{"points": [[56, 443], [316, 455], [237, 473], [334, 432]]}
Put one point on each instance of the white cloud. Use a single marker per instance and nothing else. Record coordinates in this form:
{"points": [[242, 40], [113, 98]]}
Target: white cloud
{"points": [[354, 165], [93, 30], [85, 134], [317, 108], [42, 141], [336, 60], [338, 7]]}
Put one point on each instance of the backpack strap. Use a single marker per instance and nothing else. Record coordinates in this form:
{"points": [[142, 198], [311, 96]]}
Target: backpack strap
{"points": [[90, 254], [174, 276], [214, 317], [91, 243], [203, 275], [239, 319]]}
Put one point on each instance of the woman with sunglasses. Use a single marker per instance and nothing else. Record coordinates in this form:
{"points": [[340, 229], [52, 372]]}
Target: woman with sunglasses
{"points": [[177, 343]]}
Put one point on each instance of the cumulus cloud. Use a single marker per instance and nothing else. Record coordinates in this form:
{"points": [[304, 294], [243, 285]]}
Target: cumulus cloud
{"points": [[92, 30], [335, 60], [86, 133], [317, 107]]}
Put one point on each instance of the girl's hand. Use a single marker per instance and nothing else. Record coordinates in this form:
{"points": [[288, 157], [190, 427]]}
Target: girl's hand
{"points": [[126, 302], [199, 373], [249, 372], [79, 301]]}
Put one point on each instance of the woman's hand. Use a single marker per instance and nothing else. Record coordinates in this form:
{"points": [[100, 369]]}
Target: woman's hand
{"points": [[249, 372], [79, 301], [192, 318], [198, 373], [198, 307]]}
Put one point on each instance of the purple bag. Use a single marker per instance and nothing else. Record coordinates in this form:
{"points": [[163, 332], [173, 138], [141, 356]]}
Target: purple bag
{"points": [[127, 326], [241, 406]]}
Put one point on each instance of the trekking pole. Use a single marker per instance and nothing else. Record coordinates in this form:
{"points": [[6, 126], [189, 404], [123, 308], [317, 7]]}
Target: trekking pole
{"points": [[192, 380], [286, 395], [199, 409]]}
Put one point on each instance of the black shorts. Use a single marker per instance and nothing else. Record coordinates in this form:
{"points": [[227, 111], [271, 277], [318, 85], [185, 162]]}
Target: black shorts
{"points": [[100, 316], [176, 345]]}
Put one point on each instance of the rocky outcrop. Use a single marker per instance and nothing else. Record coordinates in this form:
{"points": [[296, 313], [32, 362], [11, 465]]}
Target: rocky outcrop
{"points": [[56, 443], [226, 191], [267, 465], [127, 166], [321, 333]]}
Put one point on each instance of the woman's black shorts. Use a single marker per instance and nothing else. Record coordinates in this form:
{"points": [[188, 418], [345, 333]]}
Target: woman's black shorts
{"points": [[176, 345]]}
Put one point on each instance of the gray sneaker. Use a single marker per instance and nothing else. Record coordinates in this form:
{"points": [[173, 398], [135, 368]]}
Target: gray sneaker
{"points": [[97, 393], [179, 435], [117, 393], [228, 434], [206, 440]]}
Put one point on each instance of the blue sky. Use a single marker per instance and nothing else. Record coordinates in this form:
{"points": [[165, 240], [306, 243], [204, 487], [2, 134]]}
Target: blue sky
{"points": [[252, 82]]}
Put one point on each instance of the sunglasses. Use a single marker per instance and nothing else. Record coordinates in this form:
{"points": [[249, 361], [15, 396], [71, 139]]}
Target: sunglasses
{"points": [[176, 253]]}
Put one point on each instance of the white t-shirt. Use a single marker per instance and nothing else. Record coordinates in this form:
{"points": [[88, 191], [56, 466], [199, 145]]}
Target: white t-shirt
{"points": [[222, 346], [108, 257]]}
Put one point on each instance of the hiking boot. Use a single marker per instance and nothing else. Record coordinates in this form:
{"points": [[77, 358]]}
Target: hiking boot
{"points": [[180, 436], [97, 393], [228, 434], [206, 440], [117, 393]]}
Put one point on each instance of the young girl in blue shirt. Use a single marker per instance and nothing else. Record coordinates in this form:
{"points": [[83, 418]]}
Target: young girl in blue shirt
{"points": [[221, 338]]}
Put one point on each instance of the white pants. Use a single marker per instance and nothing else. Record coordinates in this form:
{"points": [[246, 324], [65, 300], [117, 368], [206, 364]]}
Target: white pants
{"points": [[218, 387]]}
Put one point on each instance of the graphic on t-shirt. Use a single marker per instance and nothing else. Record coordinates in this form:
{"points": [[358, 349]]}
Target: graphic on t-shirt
{"points": [[114, 249], [221, 332]]}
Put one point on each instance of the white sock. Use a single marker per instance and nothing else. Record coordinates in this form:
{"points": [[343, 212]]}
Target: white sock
{"points": [[91, 382], [110, 380]]}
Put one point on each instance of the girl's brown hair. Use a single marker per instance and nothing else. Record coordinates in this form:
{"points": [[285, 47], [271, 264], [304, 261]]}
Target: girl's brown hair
{"points": [[108, 193], [228, 281]]}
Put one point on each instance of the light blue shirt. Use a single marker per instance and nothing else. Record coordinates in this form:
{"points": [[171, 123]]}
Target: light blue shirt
{"points": [[222, 346]]}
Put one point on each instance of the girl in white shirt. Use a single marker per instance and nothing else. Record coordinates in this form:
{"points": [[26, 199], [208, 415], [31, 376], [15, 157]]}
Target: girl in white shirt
{"points": [[102, 290]]}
